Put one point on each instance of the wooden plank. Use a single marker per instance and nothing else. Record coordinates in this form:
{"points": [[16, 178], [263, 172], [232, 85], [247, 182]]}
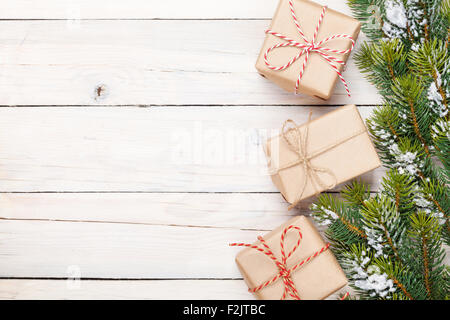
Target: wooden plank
{"points": [[145, 9], [122, 235], [47, 249], [139, 62], [159, 149], [251, 211], [81, 230], [260, 211], [131, 235], [123, 290], [131, 289]]}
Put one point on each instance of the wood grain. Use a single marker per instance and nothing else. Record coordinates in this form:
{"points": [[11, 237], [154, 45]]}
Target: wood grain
{"points": [[139, 63], [132, 235], [146, 9], [117, 236], [58, 249], [140, 202], [159, 149], [256, 211], [131, 289], [48, 249]]}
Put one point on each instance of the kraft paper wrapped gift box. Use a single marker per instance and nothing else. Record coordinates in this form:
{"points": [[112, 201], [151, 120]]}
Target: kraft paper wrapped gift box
{"points": [[337, 148], [319, 78], [316, 279]]}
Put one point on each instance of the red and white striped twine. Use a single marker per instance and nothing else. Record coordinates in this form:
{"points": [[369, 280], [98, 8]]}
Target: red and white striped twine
{"points": [[308, 47], [284, 272]]}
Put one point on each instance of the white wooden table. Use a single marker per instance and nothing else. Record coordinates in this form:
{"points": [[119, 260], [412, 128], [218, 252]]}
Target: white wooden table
{"points": [[131, 145]]}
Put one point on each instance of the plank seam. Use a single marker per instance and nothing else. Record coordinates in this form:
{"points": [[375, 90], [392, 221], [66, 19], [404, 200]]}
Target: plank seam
{"points": [[155, 192], [136, 19], [115, 279], [135, 223], [176, 105]]}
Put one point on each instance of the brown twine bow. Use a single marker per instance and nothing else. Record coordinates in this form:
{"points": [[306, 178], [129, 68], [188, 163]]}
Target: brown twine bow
{"points": [[298, 144]]}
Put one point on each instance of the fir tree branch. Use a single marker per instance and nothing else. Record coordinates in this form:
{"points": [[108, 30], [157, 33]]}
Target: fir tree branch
{"points": [[397, 198], [353, 228], [427, 19], [401, 188], [421, 175], [328, 210], [426, 265], [416, 127], [424, 235], [356, 193], [394, 132], [440, 90], [409, 63], [401, 287], [430, 197], [391, 70], [380, 215], [391, 243], [408, 30], [447, 224]]}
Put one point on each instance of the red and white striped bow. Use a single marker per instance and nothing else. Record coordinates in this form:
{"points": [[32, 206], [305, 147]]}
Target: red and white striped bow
{"points": [[284, 272], [308, 47]]}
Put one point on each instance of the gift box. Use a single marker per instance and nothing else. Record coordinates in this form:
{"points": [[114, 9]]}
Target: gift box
{"points": [[290, 262], [316, 156], [300, 59]]}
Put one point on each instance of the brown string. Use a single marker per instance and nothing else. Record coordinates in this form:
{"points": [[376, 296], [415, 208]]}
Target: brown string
{"points": [[298, 143]]}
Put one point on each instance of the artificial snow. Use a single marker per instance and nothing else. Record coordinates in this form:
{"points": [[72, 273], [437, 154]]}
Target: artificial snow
{"points": [[369, 277], [406, 162], [328, 217], [395, 13], [396, 21], [375, 241], [332, 214], [377, 282], [435, 97]]}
